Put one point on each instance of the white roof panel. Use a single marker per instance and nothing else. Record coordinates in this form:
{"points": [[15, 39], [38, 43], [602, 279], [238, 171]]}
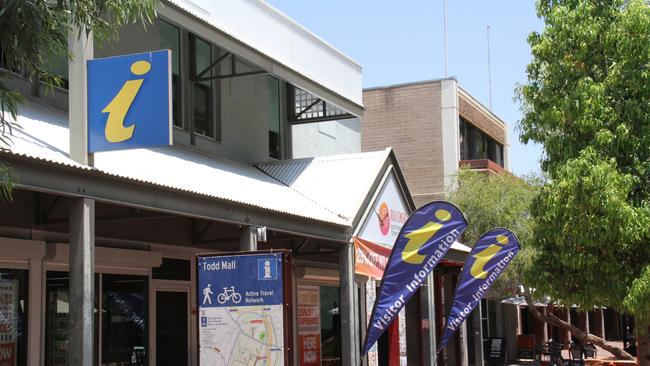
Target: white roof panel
{"points": [[259, 25], [44, 135], [339, 182]]}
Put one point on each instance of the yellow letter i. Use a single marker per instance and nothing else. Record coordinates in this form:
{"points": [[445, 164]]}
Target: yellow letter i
{"points": [[117, 109]]}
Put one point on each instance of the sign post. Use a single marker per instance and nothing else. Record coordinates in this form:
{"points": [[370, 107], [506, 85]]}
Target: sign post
{"points": [[244, 309]]}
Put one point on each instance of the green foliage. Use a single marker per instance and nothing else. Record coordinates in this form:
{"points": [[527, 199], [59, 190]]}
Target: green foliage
{"points": [[588, 240], [490, 201], [588, 84], [585, 101], [34, 31], [6, 182], [638, 299]]}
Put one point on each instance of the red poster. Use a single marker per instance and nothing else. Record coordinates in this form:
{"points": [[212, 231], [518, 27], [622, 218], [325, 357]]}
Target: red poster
{"points": [[8, 326], [309, 353], [7, 354]]}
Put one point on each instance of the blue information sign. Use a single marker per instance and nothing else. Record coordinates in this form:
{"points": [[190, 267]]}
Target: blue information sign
{"points": [[241, 309], [240, 280], [129, 101]]}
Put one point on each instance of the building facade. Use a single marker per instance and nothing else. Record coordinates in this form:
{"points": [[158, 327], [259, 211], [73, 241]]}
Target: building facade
{"points": [[98, 251], [435, 127]]}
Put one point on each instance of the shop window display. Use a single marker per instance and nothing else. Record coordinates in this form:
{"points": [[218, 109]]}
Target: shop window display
{"points": [[13, 317]]}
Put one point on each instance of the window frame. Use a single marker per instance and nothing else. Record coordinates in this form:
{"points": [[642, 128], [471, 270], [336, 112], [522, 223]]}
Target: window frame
{"points": [[181, 64], [214, 97], [467, 136]]}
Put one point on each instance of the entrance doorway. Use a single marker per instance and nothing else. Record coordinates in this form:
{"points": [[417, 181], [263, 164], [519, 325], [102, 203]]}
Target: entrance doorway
{"points": [[172, 327]]}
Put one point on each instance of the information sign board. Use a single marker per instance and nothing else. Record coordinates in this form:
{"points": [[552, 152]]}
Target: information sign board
{"points": [[241, 311]]}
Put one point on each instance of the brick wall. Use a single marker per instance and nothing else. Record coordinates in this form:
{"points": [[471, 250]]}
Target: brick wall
{"points": [[408, 119], [479, 118]]}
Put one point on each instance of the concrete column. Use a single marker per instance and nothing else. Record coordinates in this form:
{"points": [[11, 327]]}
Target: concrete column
{"points": [[248, 239], [477, 328], [349, 325], [450, 128], [429, 340], [82, 210], [82, 282], [36, 313], [464, 345], [601, 322], [80, 46]]}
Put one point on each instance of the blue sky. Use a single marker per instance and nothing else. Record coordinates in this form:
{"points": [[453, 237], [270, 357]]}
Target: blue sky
{"points": [[399, 42]]}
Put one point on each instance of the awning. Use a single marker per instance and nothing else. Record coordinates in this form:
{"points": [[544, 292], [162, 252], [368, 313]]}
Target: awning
{"points": [[334, 190]]}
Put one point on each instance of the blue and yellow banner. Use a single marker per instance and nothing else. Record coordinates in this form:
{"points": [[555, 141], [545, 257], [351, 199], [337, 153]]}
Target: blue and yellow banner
{"points": [[129, 101], [487, 260], [424, 239]]}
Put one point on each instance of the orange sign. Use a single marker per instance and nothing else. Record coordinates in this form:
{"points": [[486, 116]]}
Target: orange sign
{"points": [[371, 259]]}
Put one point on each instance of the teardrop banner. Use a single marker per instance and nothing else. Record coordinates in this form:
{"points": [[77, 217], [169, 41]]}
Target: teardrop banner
{"points": [[424, 239], [487, 260]]}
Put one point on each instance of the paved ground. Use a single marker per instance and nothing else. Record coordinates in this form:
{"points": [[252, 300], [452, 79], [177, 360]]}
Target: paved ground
{"points": [[601, 354]]}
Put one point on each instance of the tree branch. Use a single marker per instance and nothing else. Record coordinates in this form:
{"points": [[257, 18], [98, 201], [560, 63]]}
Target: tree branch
{"points": [[584, 337]]}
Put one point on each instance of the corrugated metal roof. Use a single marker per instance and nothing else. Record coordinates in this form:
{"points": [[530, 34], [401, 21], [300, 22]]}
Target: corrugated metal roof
{"points": [[327, 189], [339, 183]]}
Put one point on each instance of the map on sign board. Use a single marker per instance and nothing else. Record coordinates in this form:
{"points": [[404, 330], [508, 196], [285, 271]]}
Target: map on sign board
{"points": [[241, 316]]}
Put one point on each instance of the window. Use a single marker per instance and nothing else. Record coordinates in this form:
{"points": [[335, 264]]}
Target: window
{"points": [[57, 307], [273, 110], [170, 39], [475, 144], [206, 96], [13, 315], [123, 321], [330, 322], [58, 66], [305, 107]]}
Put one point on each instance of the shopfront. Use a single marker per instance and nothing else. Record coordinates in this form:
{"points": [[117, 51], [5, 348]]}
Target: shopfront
{"points": [[143, 299], [141, 305]]}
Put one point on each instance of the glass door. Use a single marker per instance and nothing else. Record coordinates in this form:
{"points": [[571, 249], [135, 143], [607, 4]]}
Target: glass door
{"points": [[172, 325]]}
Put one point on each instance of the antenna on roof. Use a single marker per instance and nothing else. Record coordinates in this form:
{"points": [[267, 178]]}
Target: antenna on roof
{"points": [[489, 66], [444, 22]]}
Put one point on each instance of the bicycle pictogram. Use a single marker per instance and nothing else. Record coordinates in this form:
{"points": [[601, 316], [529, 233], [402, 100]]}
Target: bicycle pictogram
{"points": [[229, 294]]}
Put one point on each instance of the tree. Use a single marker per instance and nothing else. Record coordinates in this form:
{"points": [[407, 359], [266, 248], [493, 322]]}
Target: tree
{"points": [[489, 201], [586, 102], [35, 31]]}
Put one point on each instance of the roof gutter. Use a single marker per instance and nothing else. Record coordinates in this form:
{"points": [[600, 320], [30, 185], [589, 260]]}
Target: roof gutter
{"points": [[41, 176]]}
